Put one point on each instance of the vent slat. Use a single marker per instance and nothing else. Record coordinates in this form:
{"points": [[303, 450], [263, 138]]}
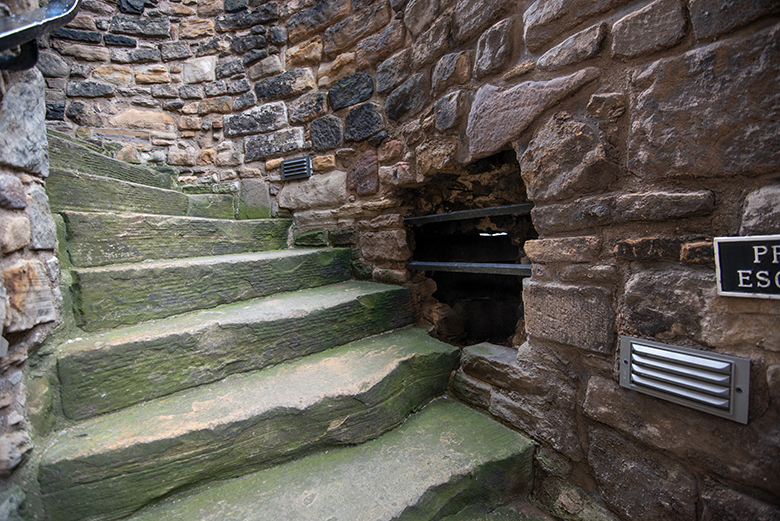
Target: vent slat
{"points": [[694, 361], [299, 168], [707, 376], [695, 385], [682, 393]]}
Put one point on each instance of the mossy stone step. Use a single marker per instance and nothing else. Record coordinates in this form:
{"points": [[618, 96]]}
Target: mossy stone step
{"points": [[81, 192], [438, 461], [100, 238], [109, 466], [126, 294], [68, 154], [121, 367]]}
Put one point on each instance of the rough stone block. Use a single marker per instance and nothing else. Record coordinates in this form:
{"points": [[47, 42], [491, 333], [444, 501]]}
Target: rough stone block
{"points": [[12, 193], [52, 65], [285, 85], [566, 158], [579, 316], [273, 144], [362, 122], [450, 110], [116, 40], [498, 116], [711, 18], [761, 214], [374, 48], [255, 200], [393, 71], [152, 74], [574, 49], [320, 191], [330, 73], [342, 34], [326, 132], [494, 48], [14, 232], [30, 297], [140, 55], [242, 44], [266, 67], [141, 119], [198, 70], [76, 35], [305, 53], [432, 43], [400, 174], [566, 249], [419, 14], [451, 69], [308, 107], [316, 18], [151, 26], [408, 99], [472, 17], [351, 90], [89, 89], [114, 74], [264, 118], [43, 231], [606, 105], [657, 26], [649, 248], [678, 141], [363, 174], [231, 22], [387, 245], [721, 503], [230, 68], [545, 21]]}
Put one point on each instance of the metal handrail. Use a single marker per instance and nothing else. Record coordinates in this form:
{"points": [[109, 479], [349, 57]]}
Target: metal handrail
{"points": [[22, 29]]}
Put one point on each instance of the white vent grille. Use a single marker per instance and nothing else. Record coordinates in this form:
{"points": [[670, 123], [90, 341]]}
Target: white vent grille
{"points": [[709, 382], [296, 168]]}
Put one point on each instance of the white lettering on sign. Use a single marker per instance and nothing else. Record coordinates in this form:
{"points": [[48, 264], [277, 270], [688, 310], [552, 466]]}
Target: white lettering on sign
{"points": [[744, 276], [763, 279], [758, 251], [776, 254]]}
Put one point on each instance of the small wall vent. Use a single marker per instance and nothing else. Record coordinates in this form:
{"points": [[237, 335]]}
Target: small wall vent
{"points": [[709, 382], [299, 168]]}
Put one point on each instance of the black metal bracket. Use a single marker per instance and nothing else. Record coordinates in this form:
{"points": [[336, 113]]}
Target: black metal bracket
{"points": [[26, 59]]}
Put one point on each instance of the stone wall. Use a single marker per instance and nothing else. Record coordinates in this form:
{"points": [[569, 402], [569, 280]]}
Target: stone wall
{"points": [[29, 271], [642, 130]]}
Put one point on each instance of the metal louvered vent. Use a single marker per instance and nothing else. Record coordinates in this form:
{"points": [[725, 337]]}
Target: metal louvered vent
{"points": [[709, 382], [299, 168]]}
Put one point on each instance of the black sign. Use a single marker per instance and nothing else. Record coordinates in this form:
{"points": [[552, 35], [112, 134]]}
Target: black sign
{"points": [[748, 266]]}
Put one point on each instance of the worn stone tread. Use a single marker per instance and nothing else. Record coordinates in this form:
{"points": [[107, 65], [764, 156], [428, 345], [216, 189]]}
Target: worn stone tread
{"points": [[121, 367], [67, 154], [109, 466], [102, 238], [124, 294], [440, 459]]}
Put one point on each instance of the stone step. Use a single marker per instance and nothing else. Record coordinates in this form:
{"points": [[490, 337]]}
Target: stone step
{"points": [[118, 368], [109, 466], [81, 192], [66, 153], [125, 294], [99, 238], [441, 459]]}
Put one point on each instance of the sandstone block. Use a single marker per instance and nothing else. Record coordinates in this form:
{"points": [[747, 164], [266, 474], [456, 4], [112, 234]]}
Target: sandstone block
{"points": [[198, 70], [494, 48], [330, 73], [606, 105], [761, 214], [323, 163], [342, 34], [657, 26], [308, 52], [140, 55], [114, 74], [574, 49], [628, 475], [363, 174], [83, 21], [543, 21], [52, 66], [151, 26], [30, 297], [266, 67], [408, 99], [451, 69], [649, 248], [152, 74], [390, 151], [12, 193], [435, 156], [711, 18], [141, 119], [419, 14], [326, 132], [316, 18], [362, 122], [190, 123], [320, 191], [698, 252], [393, 71], [291, 83], [400, 174], [579, 316], [386, 245], [273, 144], [228, 158], [498, 116], [351, 90], [374, 48], [432, 43], [209, 8], [182, 157], [678, 141], [43, 231], [472, 17], [205, 157], [566, 249], [221, 105], [264, 118], [14, 232]]}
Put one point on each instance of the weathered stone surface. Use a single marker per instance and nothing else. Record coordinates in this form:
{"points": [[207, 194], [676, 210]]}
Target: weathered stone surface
{"points": [[115, 74], [242, 44], [253, 56], [12, 193], [712, 18], [407, 99], [330, 73], [14, 232], [140, 55], [285, 85], [400, 174], [305, 53], [141, 119], [85, 52], [55, 111], [154, 25], [381, 45], [273, 144], [13, 447], [83, 21], [649, 248], [198, 70], [450, 110], [230, 68], [245, 19], [570, 503], [677, 141], [43, 231], [724, 504], [369, 20], [51, 65], [264, 118], [266, 67], [194, 29], [451, 69], [76, 35], [320, 191], [316, 18], [209, 8], [544, 20], [574, 49], [419, 14], [432, 43], [131, 6], [362, 122], [83, 114], [493, 48], [390, 151], [393, 71], [308, 107], [363, 174], [244, 101], [116, 40], [326, 132], [351, 90], [233, 6], [628, 475], [152, 74], [472, 17], [191, 92], [277, 35], [702, 439], [566, 249], [657, 26], [23, 124], [606, 105], [435, 156], [566, 158], [386, 245], [89, 89], [579, 316], [323, 163], [761, 213], [499, 116], [217, 45], [30, 298]]}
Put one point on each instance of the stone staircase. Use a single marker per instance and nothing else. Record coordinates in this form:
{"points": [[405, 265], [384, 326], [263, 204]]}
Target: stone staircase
{"points": [[214, 373]]}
